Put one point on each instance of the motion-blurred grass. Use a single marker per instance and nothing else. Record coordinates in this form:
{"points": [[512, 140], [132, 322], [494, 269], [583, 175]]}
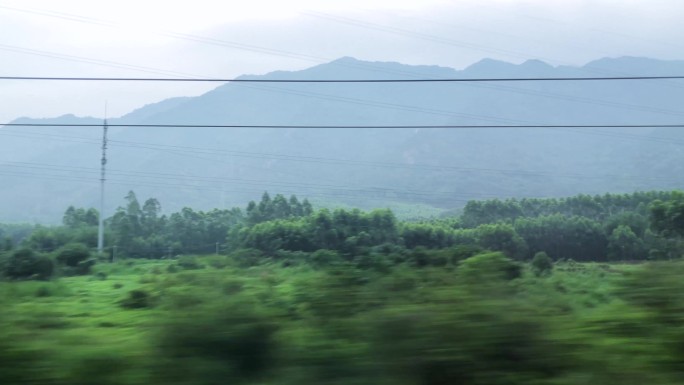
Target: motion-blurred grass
{"points": [[207, 320]]}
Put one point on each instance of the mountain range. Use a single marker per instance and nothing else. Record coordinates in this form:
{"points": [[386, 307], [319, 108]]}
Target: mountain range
{"points": [[417, 171]]}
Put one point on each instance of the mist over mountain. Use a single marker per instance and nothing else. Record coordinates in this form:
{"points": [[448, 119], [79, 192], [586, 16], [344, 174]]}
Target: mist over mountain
{"points": [[46, 169]]}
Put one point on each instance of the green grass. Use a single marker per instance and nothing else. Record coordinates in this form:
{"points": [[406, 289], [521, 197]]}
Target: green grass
{"points": [[325, 319]]}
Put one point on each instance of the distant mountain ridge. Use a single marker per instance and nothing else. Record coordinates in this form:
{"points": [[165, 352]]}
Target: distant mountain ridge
{"points": [[405, 168]]}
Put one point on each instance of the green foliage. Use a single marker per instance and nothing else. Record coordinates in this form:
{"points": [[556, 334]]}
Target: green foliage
{"points": [[324, 258], [52, 238], [277, 208], [542, 264], [228, 343], [350, 232], [352, 297], [667, 217], [489, 267], [137, 299], [19, 365], [596, 208], [502, 237], [75, 218], [6, 244], [324, 359], [637, 221], [657, 287], [337, 294], [427, 235], [292, 235], [27, 264], [422, 257], [13, 234], [461, 252], [187, 262], [247, 257], [141, 231], [562, 237], [72, 254], [102, 369], [478, 213], [350, 324], [623, 244], [479, 342], [583, 228]]}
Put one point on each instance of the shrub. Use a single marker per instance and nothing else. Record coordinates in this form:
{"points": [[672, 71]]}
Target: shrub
{"points": [[187, 262], [494, 266], [72, 254], [423, 257], [480, 342], [324, 257], [226, 344], [419, 256], [248, 257], [218, 261], [21, 366], [101, 369], [75, 259], [43, 291], [542, 264], [462, 252], [137, 299], [373, 261], [27, 264], [101, 276]]}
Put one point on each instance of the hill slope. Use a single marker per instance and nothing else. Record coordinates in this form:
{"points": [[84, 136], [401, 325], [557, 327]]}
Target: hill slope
{"points": [[216, 167]]}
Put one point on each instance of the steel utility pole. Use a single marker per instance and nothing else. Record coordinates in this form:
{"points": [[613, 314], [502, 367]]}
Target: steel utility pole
{"points": [[100, 229]]}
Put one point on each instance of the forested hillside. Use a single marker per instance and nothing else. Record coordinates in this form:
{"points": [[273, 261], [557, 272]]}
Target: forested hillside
{"points": [[426, 169]]}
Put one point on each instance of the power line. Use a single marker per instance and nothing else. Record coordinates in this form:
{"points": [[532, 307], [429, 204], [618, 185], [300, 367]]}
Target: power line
{"points": [[367, 195], [185, 150], [81, 59], [375, 164], [285, 126], [90, 20], [175, 35], [173, 73], [380, 104], [438, 80], [198, 178]]}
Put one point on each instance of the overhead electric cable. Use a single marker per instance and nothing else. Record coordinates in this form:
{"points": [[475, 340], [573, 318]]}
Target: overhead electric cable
{"points": [[196, 178], [297, 191], [81, 59], [432, 80], [410, 126], [185, 150]]}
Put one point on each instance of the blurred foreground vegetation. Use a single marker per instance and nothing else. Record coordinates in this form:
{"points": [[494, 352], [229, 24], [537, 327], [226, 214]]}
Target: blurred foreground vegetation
{"points": [[578, 291], [485, 320]]}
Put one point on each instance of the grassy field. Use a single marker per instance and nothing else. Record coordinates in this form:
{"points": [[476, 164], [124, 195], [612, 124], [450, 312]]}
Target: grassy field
{"points": [[177, 321]]}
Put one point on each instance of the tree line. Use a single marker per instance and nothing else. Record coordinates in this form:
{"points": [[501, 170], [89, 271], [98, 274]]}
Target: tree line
{"points": [[610, 227]]}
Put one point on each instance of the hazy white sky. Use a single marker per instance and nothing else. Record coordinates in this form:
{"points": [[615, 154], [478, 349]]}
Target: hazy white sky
{"points": [[230, 38]]}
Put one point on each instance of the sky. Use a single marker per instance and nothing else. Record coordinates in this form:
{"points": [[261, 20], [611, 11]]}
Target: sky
{"points": [[229, 38]]}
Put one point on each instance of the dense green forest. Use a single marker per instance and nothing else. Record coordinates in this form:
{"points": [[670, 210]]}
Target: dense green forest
{"points": [[580, 290], [611, 227]]}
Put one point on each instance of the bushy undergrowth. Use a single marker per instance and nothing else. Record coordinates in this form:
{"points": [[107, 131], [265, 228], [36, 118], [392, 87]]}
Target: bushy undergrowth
{"points": [[28, 264], [327, 319]]}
